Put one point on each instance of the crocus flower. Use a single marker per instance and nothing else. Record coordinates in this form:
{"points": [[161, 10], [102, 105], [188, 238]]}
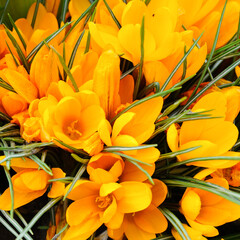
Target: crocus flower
{"points": [[96, 204], [133, 128], [143, 225], [75, 120], [203, 16], [30, 183], [204, 210], [215, 137], [158, 39], [105, 167]]}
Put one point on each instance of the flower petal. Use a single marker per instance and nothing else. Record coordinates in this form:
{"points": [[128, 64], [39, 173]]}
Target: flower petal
{"points": [[133, 197], [151, 220]]}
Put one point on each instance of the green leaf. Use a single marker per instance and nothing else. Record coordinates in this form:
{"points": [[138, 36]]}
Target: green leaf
{"points": [[176, 223], [80, 18], [131, 158], [5, 85], [15, 224], [35, 13], [66, 69], [76, 178], [218, 77], [139, 78], [46, 40], [70, 64], [79, 151], [129, 71], [41, 164], [8, 227], [120, 148], [177, 164], [49, 205], [178, 181], [17, 31], [212, 51], [176, 153], [180, 63], [60, 232], [11, 190], [14, 58], [4, 11], [19, 50], [79, 159], [112, 14], [62, 15]]}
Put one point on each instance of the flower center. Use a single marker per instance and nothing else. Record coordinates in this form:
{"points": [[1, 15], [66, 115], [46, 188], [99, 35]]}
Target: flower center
{"points": [[73, 130], [103, 202]]}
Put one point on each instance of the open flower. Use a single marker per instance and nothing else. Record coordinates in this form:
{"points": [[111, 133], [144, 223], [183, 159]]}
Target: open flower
{"points": [[30, 183], [96, 204], [204, 210], [213, 136], [74, 119], [146, 223], [203, 16]]}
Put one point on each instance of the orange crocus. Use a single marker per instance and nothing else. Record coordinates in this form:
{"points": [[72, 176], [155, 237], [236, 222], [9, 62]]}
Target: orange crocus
{"points": [[105, 167], [75, 120], [30, 183], [215, 137], [96, 204], [204, 210], [144, 224], [133, 128], [204, 16]]}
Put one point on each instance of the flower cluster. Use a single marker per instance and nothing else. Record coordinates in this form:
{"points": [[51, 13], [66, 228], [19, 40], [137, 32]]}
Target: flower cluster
{"points": [[113, 107]]}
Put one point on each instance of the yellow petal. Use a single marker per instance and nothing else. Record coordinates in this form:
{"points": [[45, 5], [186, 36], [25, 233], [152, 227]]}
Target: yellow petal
{"points": [[57, 188], [133, 12], [151, 220], [213, 216], [109, 212], [21, 85], [81, 210], [132, 231], [191, 204], [159, 192], [20, 198], [106, 80], [135, 196], [147, 155], [84, 230], [21, 162], [82, 189], [104, 130], [172, 138], [206, 230], [133, 173], [108, 188]]}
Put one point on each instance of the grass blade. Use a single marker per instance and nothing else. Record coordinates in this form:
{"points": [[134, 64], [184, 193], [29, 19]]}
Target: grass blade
{"points": [[180, 63], [17, 31], [19, 50], [176, 223], [139, 78], [66, 69], [112, 14], [76, 178], [49, 205]]}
